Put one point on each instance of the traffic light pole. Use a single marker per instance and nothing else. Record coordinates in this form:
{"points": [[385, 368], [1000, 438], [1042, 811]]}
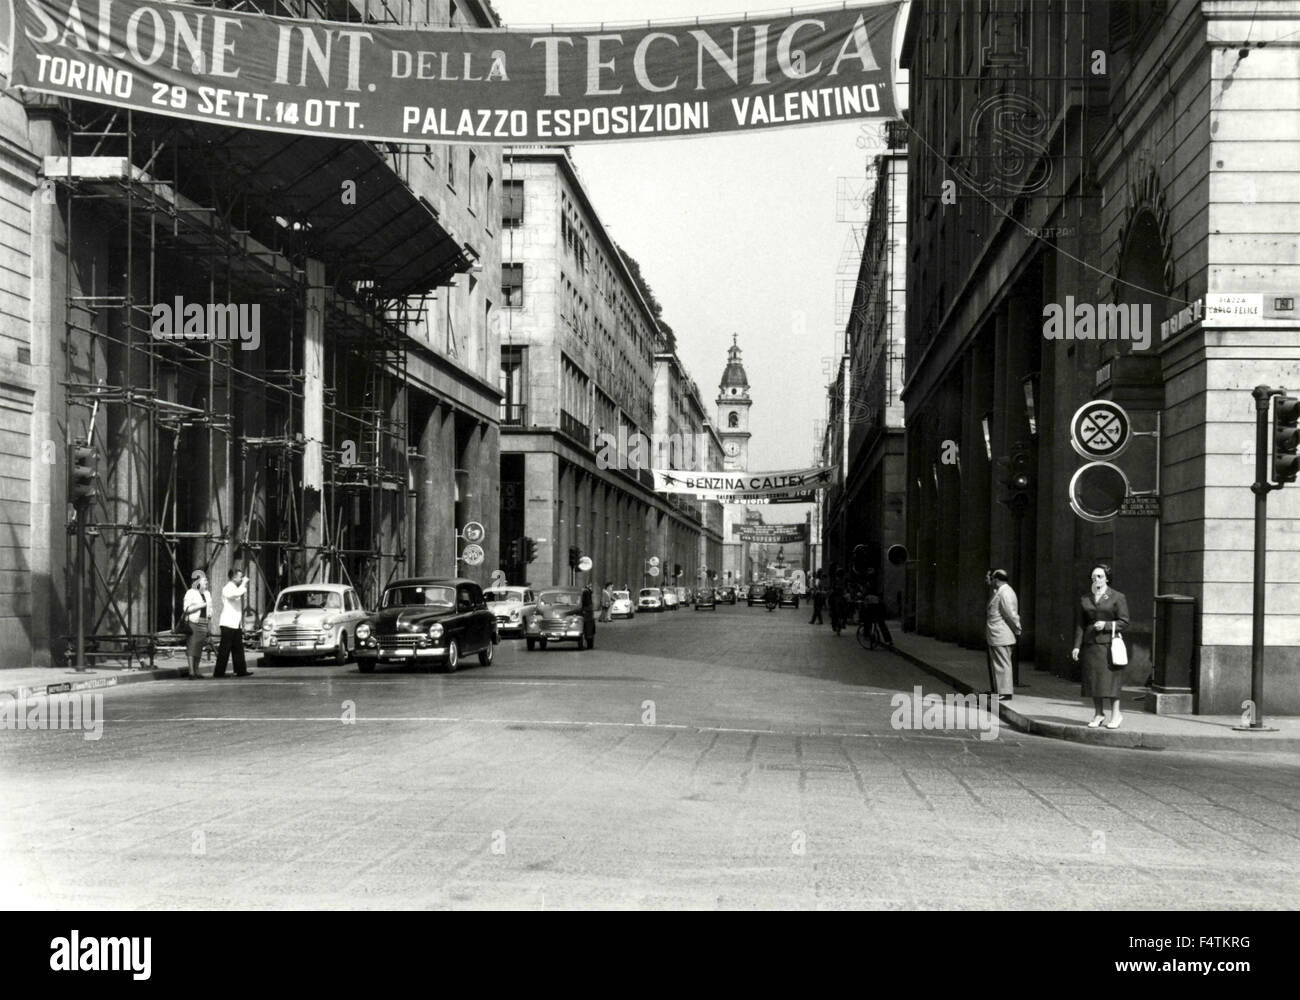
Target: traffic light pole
{"points": [[79, 597], [1261, 488]]}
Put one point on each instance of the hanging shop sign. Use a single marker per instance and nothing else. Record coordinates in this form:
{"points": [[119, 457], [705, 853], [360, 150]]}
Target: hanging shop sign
{"points": [[773, 534], [405, 84], [736, 485]]}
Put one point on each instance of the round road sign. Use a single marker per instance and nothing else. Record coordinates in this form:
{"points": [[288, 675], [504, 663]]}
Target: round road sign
{"points": [[584, 564], [473, 532], [473, 554], [1097, 491], [1100, 429], [653, 560], [653, 571]]}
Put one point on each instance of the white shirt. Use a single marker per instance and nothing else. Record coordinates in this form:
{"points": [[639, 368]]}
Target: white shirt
{"points": [[198, 604], [232, 604]]}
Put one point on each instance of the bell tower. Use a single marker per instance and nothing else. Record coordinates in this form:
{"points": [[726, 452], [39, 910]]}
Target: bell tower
{"points": [[733, 412]]}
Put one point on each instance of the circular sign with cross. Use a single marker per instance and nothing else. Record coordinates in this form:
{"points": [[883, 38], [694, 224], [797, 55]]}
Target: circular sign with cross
{"points": [[473, 555], [1100, 429], [473, 532]]}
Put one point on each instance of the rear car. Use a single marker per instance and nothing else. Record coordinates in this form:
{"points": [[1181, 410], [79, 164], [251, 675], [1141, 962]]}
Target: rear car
{"points": [[671, 601], [558, 618], [789, 599], [312, 620], [650, 599], [705, 601], [511, 606], [622, 606], [726, 595]]}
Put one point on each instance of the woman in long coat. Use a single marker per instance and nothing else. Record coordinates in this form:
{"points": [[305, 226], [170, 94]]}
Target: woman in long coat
{"points": [[1103, 614], [588, 618]]}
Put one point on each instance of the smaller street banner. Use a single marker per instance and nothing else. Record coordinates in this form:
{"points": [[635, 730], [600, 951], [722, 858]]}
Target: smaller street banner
{"points": [[773, 534], [733, 486], [401, 83]]}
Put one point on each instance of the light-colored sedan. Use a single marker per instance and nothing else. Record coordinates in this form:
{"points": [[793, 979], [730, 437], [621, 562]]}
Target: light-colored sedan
{"points": [[314, 619], [650, 599], [511, 607], [671, 599], [622, 606]]}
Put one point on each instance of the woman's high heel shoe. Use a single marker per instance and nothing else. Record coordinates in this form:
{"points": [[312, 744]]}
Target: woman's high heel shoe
{"points": [[1114, 722], [1096, 721]]}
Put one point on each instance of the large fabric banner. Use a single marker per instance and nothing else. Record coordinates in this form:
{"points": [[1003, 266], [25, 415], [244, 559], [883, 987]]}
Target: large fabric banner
{"points": [[377, 81], [772, 534], [730, 486]]}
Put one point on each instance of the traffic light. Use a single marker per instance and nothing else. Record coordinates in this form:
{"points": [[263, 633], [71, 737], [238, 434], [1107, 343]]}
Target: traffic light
{"points": [[515, 550], [1286, 439], [1020, 480], [677, 571], [530, 550], [574, 555], [83, 474]]}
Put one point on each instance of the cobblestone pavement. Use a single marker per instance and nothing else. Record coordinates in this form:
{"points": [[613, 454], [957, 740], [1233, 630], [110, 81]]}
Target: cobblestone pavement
{"points": [[737, 759]]}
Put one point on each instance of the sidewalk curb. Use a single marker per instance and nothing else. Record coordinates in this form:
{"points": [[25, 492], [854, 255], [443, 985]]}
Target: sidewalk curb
{"points": [[70, 681], [1121, 738]]}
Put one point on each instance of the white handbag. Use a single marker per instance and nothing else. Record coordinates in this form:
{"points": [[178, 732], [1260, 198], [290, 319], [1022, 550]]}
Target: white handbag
{"points": [[1118, 651]]}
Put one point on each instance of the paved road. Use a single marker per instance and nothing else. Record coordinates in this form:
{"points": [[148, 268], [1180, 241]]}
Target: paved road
{"points": [[737, 759]]}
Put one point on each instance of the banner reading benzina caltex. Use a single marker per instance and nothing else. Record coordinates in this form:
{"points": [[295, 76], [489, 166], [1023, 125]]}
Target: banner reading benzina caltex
{"points": [[373, 81], [730, 485]]}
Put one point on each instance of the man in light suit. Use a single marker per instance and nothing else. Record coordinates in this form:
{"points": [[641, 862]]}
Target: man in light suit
{"points": [[1002, 625]]}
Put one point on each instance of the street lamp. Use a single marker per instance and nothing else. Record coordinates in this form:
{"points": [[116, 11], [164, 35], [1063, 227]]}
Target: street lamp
{"points": [[1030, 383]]}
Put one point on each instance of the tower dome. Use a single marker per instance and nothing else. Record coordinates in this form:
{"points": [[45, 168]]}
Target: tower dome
{"points": [[733, 376]]}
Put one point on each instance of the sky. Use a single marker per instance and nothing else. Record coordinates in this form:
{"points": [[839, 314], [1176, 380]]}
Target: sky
{"points": [[735, 234]]}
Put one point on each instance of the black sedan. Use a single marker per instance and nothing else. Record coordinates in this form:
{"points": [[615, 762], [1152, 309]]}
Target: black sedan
{"points": [[705, 601], [558, 618], [427, 621], [726, 595], [789, 599]]}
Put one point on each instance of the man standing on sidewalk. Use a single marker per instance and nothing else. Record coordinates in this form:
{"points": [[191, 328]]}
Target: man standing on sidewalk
{"points": [[819, 600], [606, 600], [232, 622], [1000, 631]]}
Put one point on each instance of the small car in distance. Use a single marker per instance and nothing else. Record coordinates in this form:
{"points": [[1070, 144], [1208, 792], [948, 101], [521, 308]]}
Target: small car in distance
{"points": [[427, 620], [622, 606], [310, 620], [704, 600], [650, 599], [789, 599], [511, 607], [671, 599], [558, 618], [726, 595]]}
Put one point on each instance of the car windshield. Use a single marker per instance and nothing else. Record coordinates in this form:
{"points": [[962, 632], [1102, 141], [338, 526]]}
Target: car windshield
{"points": [[560, 597], [649, 593], [621, 595], [504, 596], [310, 600], [416, 595]]}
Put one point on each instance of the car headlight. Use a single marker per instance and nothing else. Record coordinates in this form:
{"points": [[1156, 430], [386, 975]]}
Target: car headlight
{"points": [[267, 626], [435, 631], [363, 631], [514, 615], [572, 620]]}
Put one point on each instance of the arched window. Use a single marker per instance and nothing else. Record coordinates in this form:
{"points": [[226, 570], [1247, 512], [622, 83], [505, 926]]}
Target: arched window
{"points": [[733, 419]]}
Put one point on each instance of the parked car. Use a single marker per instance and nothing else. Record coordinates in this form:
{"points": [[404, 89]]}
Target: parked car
{"points": [[428, 621], [705, 601], [310, 620], [650, 599], [671, 601], [789, 599], [511, 606], [558, 618], [622, 606], [725, 595]]}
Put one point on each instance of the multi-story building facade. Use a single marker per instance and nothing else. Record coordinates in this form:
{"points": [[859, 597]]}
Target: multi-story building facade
{"points": [[1158, 181], [684, 438], [350, 431], [577, 370], [865, 409]]}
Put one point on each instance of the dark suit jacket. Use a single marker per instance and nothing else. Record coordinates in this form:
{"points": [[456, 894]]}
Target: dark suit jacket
{"points": [[1113, 607]]}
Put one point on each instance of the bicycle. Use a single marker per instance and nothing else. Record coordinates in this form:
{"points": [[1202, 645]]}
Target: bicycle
{"points": [[870, 636]]}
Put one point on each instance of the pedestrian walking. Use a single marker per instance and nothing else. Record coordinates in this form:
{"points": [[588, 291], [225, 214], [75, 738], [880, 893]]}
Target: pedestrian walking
{"points": [[196, 611], [1103, 616], [231, 622], [588, 617], [839, 600], [606, 600], [819, 601], [1002, 625]]}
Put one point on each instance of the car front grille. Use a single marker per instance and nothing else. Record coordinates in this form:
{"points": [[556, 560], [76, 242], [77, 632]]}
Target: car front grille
{"points": [[296, 634], [399, 641]]}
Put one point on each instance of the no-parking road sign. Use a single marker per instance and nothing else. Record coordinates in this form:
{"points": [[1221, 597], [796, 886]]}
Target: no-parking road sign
{"points": [[1100, 429]]}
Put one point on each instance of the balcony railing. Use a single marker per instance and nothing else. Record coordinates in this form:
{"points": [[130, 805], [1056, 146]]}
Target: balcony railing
{"points": [[514, 414], [575, 428]]}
